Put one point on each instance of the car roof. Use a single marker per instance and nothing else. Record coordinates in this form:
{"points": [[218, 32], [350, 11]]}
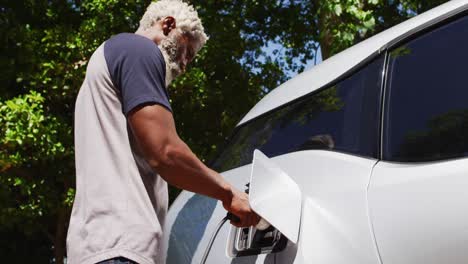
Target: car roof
{"points": [[339, 64]]}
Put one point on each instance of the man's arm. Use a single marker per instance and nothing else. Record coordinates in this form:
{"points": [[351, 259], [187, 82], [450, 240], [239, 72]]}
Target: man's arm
{"points": [[154, 130]]}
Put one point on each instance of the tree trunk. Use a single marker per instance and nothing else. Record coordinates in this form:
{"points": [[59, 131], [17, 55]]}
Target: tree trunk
{"points": [[60, 235], [325, 36], [325, 48]]}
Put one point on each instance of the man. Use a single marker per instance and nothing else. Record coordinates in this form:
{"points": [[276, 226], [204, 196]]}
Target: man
{"points": [[127, 146]]}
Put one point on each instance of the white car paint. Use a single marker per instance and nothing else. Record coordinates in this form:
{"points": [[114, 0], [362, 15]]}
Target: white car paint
{"points": [[332, 68], [419, 211], [335, 223], [275, 196]]}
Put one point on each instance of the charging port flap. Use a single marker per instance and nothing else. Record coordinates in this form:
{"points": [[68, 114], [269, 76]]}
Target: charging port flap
{"points": [[275, 196]]}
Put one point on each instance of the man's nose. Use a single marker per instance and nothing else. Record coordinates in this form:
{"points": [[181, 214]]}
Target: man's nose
{"points": [[183, 64]]}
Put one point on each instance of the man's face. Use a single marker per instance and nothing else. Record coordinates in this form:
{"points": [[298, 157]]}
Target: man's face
{"points": [[178, 50], [186, 50]]}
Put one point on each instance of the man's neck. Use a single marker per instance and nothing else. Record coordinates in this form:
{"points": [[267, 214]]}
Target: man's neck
{"points": [[153, 34]]}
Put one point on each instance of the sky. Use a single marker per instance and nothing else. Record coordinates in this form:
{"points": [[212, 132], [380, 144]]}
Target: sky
{"points": [[309, 64]]}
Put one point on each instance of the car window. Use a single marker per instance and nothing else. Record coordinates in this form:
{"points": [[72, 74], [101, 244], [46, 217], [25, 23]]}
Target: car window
{"points": [[343, 117], [427, 97]]}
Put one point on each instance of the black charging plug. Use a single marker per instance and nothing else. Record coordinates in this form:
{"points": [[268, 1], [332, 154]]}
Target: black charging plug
{"points": [[234, 218]]}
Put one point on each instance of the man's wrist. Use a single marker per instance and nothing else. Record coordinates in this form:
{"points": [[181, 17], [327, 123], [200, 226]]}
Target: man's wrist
{"points": [[227, 194]]}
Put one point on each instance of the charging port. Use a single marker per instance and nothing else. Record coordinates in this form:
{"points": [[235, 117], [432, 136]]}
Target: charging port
{"points": [[251, 241]]}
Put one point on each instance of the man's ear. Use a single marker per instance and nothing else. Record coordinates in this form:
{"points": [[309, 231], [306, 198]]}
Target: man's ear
{"points": [[168, 24]]}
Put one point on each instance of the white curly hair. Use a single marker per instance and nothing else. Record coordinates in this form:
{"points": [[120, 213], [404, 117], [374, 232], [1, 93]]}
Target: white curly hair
{"points": [[187, 20]]}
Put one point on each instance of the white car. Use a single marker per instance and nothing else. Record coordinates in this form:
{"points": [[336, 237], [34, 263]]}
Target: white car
{"points": [[368, 158]]}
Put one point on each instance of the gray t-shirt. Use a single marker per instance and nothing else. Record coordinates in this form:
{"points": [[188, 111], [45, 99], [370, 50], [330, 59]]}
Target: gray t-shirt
{"points": [[120, 203]]}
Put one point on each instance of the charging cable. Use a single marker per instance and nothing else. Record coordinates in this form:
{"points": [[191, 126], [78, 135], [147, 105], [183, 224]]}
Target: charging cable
{"points": [[229, 216]]}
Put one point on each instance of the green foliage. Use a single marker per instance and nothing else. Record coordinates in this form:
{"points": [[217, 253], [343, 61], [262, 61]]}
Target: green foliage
{"points": [[45, 47], [26, 134], [29, 139]]}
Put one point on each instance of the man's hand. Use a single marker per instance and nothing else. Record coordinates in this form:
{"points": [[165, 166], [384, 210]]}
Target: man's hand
{"points": [[238, 204]]}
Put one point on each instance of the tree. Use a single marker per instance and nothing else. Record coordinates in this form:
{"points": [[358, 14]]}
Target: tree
{"points": [[45, 48]]}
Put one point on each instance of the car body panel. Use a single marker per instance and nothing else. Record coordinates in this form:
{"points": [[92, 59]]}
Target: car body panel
{"points": [[335, 224], [419, 211]]}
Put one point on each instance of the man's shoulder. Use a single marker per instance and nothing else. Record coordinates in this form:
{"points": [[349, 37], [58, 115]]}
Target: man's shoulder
{"points": [[132, 39], [132, 45], [137, 69]]}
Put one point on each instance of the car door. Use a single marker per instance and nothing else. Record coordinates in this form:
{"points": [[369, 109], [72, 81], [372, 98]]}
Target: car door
{"points": [[418, 194]]}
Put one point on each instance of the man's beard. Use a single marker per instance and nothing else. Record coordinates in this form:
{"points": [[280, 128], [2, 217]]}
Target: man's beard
{"points": [[169, 47]]}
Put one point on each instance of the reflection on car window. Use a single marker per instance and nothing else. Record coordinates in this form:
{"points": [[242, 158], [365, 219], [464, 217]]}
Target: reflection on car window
{"points": [[427, 109], [343, 117]]}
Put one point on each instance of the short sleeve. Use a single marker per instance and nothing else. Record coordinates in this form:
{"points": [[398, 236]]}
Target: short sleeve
{"points": [[137, 70]]}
